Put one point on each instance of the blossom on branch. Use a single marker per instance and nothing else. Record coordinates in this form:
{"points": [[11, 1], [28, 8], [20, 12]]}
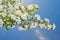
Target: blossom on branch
{"points": [[12, 13]]}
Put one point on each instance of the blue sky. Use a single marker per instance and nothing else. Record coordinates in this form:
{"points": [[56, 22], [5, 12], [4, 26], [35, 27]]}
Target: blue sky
{"points": [[48, 9]]}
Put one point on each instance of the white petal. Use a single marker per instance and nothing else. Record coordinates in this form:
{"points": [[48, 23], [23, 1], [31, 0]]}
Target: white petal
{"points": [[42, 25], [1, 7], [22, 7], [18, 12], [18, 20], [26, 26], [21, 28], [16, 6], [10, 5], [1, 22], [49, 26], [33, 25], [13, 26], [54, 26], [23, 16], [12, 16], [30, 7], [36, 6], [46, 19], [4, 14], [38, 17]]}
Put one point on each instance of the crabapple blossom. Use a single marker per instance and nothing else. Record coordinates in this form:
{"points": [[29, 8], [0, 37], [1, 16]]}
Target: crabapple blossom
{"points": [[21, 28], [1, 22], [41, 25], [38, 17], [12, 12], [54, 26]]}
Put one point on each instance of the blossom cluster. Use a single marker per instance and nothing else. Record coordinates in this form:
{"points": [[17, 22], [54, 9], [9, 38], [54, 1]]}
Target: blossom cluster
{"points": [[12, 13]]}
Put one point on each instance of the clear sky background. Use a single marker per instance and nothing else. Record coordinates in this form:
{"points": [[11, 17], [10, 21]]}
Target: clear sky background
{"points": [[48, 9]]}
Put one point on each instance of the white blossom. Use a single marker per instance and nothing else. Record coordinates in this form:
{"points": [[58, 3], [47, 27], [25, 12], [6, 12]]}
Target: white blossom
{"points": [[16, 5], [1, 22], [18, 12], [54, 26], [26, 14], [38, 17], [1, 7], [10, 6], [26, 26], [41, 25], [4, 14], [22, 7], [12, 26], [12, 16], [18, 20], [46, 20], [13, 11], [23, 16], [33, 25], [49, 26], [21, 28], [7, 22], [10, 11], [36, 6], [9, 26], [30, 7]]}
